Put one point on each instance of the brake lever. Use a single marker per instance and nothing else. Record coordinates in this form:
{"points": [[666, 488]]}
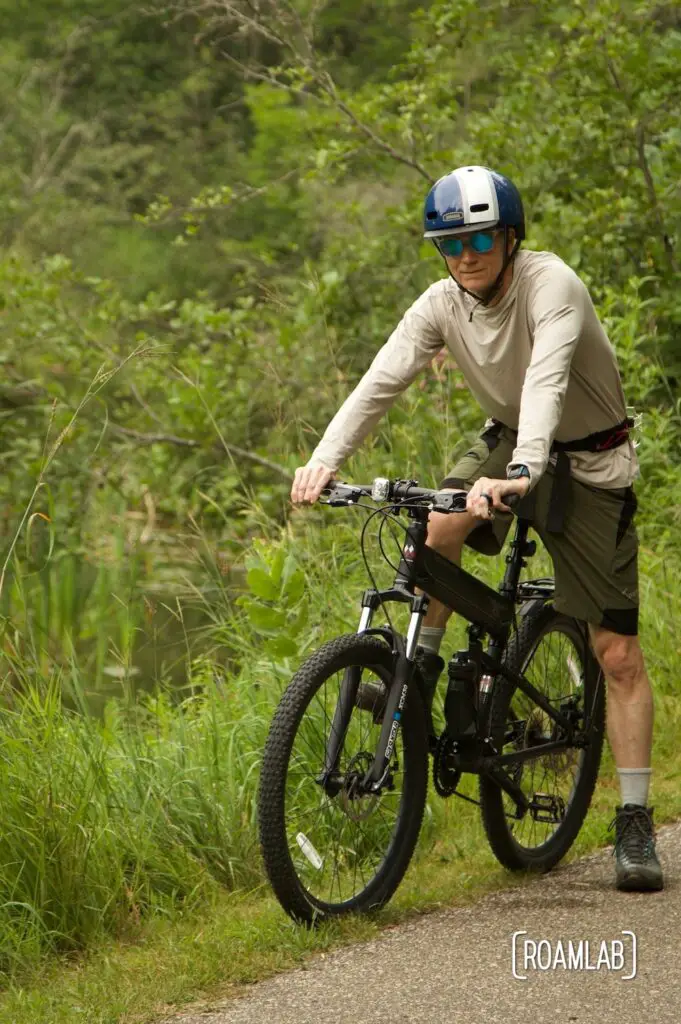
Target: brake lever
{"points": [[445, 501], [341, 494]]}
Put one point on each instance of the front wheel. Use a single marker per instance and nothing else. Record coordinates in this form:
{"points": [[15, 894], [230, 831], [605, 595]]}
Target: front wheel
{"points": [[552, 651], [341, 851]]}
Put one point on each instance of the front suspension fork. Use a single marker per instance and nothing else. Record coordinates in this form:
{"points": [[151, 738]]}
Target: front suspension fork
{"points": [[403, 652]]}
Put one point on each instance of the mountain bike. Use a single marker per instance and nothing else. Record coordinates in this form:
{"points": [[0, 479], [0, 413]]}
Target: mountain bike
{"points": [[343, 790]]}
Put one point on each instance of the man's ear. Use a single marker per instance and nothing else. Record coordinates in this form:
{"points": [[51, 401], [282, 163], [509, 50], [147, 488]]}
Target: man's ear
{"points": [[511, 239]]}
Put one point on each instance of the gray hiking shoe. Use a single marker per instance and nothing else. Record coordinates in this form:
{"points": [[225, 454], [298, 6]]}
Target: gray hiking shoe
{"points": [[372, 696], [638, 868]]}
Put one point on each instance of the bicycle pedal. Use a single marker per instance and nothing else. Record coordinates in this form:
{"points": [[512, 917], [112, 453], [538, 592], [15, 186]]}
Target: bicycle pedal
{"points": [[547, 808]]}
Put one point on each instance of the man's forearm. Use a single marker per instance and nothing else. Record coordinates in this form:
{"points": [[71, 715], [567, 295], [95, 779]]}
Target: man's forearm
{"points": [[360, 412], [395, 366]]}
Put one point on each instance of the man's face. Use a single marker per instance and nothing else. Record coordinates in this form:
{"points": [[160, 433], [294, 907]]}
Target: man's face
{"points": [[478, 271]]}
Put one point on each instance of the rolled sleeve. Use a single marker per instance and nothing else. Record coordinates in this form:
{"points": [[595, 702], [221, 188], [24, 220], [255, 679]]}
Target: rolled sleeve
{"points": [[411, 346]]}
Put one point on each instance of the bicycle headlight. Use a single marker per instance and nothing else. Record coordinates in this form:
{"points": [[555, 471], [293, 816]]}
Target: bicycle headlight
{"points": [[380, 489]]}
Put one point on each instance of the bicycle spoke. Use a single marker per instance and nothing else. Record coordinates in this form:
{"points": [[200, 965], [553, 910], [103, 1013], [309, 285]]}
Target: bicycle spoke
{"points": [[553, 775]]}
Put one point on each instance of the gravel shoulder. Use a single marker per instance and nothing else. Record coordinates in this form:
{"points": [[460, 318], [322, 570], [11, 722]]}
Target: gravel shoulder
{"points": [[456, 965]]}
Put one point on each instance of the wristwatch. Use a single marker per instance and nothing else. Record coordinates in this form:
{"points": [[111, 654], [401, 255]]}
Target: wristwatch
{"points": [[517, 471]]}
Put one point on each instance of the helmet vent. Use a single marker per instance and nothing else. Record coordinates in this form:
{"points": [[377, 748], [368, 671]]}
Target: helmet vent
{"points": [[432, 215], [479, 207]]}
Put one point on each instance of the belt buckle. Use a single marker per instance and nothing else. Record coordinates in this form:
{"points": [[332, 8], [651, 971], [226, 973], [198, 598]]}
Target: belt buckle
{"points": [[635, 431]]}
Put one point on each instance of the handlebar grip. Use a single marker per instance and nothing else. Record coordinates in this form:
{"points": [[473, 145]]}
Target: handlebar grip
{"points": [[511, 500]]}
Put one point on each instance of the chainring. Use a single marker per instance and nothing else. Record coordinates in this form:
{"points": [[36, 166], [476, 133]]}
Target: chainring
{"points": [[445, 778]]}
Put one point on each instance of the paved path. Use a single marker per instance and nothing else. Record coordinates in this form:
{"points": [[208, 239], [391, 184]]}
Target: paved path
{"points": [[456, 965]]}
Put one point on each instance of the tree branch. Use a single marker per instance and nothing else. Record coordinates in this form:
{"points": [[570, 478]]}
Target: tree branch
{"points": [[652, 194], [640, 147], [186, 442], [381, 144], [154, 438], [282, 15], [147, 408], [50, 162]]}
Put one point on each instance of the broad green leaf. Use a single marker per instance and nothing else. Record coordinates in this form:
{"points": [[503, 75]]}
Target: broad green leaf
{"points": [[281, 647], [277, 566], [266, 618], [290, 566], [294, 587], [299, 623], [262, 585]]}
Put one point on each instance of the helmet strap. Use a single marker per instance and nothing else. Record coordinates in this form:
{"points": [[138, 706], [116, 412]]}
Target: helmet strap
{"points": [[496, 284]]}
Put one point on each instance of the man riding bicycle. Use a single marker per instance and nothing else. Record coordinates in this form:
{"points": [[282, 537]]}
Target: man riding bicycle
{"points": [[523, 330]]}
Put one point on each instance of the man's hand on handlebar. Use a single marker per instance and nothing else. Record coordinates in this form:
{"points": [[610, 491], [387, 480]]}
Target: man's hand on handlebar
{"points": [[486, 495], [309, 482]]}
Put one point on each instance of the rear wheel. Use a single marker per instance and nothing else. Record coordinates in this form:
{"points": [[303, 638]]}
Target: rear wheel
{"points": [[347, 851], [552, 651]]}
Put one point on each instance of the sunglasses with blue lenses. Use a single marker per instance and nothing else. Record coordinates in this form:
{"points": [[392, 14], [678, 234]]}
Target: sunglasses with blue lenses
{"points": [[479, 241]]}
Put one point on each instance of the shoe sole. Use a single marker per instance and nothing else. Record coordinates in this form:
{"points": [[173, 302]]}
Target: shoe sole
{"points": [[639, 883]]}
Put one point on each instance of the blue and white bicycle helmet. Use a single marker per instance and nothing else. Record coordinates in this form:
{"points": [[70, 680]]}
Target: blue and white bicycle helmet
{"points": [[473, 199]]}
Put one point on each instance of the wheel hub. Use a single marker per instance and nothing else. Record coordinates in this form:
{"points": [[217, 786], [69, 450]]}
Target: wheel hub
{"points": [[357, 803]]}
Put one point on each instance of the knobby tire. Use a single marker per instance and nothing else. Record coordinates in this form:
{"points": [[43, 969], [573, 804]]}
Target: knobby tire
{"points": [[293, 879]]}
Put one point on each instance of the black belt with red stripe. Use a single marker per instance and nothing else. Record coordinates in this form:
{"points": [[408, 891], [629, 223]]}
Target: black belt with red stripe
{"points": [[599, 441]]}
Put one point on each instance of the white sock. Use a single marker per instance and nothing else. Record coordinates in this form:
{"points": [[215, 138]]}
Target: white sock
{"points": [[634, 785], [430, 638]]}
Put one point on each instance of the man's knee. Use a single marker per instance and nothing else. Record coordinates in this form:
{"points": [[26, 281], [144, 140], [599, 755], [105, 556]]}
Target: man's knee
{"points": [[448, 531], [619, 656]]}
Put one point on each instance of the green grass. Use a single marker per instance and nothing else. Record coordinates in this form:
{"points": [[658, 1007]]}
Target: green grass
{"points": [[213, 951], [140, 885]]}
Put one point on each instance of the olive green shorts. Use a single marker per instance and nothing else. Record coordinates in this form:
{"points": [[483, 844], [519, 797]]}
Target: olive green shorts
{"points": [[595, 558]]}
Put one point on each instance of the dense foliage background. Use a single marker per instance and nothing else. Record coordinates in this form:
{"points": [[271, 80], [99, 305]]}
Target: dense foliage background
{"points": [[210, 221]]}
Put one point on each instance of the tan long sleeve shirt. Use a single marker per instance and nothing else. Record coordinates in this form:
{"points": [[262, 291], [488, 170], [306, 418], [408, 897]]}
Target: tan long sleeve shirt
{"points": [[539, 361]]}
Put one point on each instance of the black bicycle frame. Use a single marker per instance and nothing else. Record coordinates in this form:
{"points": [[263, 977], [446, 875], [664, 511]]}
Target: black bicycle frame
{"points": [[489, 612]]}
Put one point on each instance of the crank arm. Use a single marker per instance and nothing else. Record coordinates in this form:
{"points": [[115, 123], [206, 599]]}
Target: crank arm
{"points": [[494, 771]]}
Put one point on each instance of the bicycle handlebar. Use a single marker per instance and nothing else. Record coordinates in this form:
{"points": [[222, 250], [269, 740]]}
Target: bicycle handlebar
{"points": [[404, 493]]}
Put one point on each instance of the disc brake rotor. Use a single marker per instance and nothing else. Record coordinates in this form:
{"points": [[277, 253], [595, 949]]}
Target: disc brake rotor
{"points": [[358, 806]]}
